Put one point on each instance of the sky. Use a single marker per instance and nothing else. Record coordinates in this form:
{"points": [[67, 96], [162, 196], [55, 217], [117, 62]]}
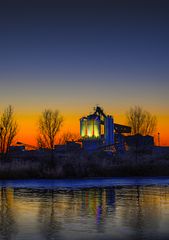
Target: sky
{"points": [[72, 55]]}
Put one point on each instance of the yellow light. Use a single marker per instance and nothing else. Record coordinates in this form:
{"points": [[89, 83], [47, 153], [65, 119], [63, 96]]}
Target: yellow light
{"points": [[90, 128], [96, 129], [83, 127]]}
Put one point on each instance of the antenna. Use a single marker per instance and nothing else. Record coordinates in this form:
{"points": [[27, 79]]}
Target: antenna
{"points": [[158, 139]]}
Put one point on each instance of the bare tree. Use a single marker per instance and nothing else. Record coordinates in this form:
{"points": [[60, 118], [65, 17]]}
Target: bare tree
{"points": [[8, 128], [141, 121], [49, 125], [68, 136]]}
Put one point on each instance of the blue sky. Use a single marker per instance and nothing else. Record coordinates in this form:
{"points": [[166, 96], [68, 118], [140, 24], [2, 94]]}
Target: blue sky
{"points": [[72, 55]]}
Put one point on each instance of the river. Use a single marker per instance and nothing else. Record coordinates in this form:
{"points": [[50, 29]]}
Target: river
{"points": [[116, 208]]}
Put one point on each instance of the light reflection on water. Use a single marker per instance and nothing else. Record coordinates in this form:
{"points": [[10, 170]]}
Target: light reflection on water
{"points": [[119, 212]]}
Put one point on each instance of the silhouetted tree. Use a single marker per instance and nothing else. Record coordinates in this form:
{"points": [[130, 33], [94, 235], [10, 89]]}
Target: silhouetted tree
{"points": [[141, 121], [49, 125], [68, 136], [8, 130]]}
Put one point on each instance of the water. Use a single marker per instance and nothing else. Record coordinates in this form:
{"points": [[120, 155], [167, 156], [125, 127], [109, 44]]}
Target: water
{"points": [[119, 208]]}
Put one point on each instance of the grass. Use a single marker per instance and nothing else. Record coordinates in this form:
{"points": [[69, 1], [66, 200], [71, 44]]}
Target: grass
{"points": [[82, 165]]}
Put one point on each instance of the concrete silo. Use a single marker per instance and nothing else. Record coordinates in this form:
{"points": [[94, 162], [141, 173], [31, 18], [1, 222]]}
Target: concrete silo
{"points": [[83, 127], [93, 126]]}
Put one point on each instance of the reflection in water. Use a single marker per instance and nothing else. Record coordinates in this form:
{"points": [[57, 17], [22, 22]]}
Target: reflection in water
{"points": [[7, 220], [133, 212], [70, 208], [50, 223]]}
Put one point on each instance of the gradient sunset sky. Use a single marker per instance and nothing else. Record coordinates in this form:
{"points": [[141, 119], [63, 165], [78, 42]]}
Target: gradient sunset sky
{"points": [[72, 55]]}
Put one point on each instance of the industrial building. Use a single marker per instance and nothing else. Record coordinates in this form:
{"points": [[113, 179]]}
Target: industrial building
{"points": [[140, 144], [99, 131]]}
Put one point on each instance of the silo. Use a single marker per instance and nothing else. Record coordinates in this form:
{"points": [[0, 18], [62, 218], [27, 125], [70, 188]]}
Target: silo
{"points": [[97, 127], [109, 130], [90, 126], [83, 127], [93, 126]]}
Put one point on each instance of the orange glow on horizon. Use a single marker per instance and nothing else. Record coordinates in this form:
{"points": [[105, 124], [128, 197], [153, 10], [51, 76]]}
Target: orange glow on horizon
{"points": [[28, 128]]}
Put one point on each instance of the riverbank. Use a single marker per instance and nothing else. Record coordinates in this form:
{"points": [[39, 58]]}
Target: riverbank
{"points": [[83, 165]]}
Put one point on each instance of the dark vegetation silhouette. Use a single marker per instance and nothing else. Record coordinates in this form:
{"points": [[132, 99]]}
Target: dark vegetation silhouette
{"points": [[142, 124], [141, 121], [81, 165], [49, 125], [68, 136], [8, 131]]}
